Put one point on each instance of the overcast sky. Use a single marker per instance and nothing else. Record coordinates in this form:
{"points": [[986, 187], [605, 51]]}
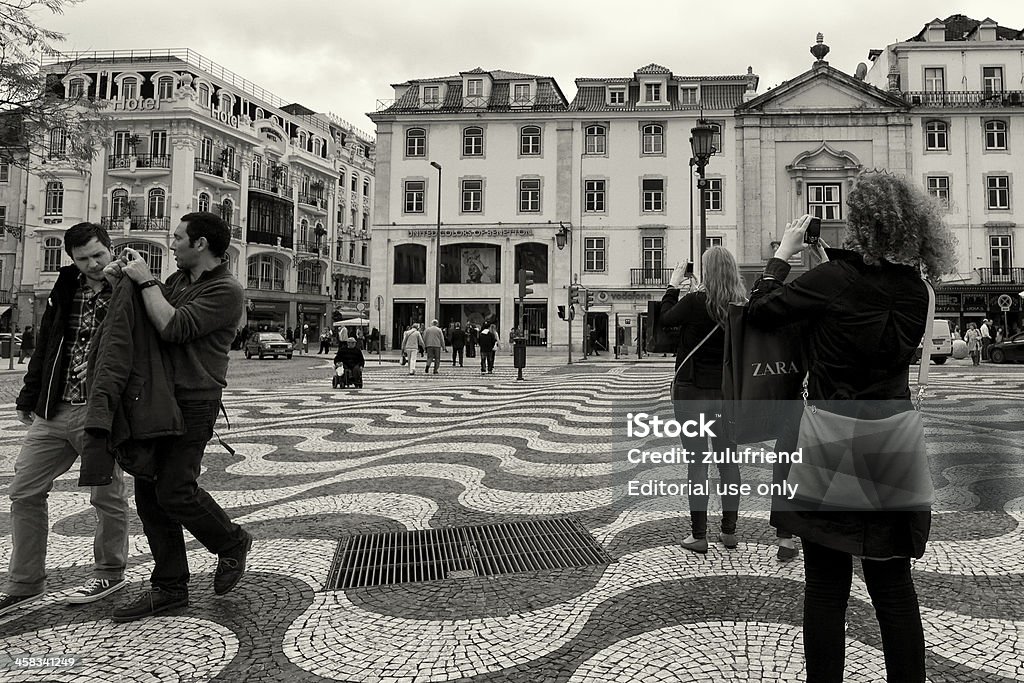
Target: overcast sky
{"points": [[342, 56]]}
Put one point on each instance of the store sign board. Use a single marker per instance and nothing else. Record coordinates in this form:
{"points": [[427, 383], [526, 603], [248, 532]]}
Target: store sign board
{"points": [[473, 232]]}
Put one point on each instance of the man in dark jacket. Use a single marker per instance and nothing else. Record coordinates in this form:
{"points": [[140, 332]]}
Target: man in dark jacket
{"points": [[458, 344], [53, 404], [350, 358], [196, 312]]}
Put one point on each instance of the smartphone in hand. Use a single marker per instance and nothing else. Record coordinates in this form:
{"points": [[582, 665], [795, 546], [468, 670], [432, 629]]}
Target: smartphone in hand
{"points": [[689, 269], [813, 232]]}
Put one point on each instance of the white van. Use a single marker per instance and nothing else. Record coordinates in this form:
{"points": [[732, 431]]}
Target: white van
{"points": [[940, 344]]}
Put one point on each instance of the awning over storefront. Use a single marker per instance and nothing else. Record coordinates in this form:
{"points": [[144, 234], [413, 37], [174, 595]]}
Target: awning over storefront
{"points": [[4, 309]]}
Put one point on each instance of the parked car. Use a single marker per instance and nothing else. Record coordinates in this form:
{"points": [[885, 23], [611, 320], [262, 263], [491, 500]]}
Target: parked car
{"points": [[263, 344], [940, 343], [1009, 350]]}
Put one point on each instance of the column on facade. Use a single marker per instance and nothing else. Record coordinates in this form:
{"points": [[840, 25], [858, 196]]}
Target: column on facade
{"points": [[96, 200], [183, 181]]}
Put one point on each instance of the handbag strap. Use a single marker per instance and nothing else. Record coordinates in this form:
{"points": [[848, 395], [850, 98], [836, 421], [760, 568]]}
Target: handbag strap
{"points": [[922, 373], [694, 350]]}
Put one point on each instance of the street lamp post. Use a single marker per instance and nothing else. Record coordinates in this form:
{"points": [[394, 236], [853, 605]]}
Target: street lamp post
{"points": [[437, 252], [563, 237], [701, 138]]}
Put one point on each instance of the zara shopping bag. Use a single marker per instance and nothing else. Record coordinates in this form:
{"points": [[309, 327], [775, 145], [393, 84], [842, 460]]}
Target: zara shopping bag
{"points": [[762, 375], [851, 463]]}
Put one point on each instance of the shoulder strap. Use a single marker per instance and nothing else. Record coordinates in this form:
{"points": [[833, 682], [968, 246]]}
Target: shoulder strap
{"points": [[922, 373], [694, 350]]}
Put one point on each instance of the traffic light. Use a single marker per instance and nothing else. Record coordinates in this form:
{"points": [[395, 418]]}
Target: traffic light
{"points": [[574, 295], [561, 312], [525, 280], [590, 299]]}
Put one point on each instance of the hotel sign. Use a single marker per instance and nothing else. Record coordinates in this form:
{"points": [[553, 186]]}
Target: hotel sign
{"points": [[224, 117], [474, 232], [138, 104]]}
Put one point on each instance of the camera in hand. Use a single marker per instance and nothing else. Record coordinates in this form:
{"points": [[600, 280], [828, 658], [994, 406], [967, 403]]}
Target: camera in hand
{"points": [[813, 232]]}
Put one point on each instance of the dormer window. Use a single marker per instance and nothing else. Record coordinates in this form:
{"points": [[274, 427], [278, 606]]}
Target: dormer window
{"points": [[129, 89], [687, 95], [652, 92], [475, 87], [521, 93], [204, 95], [165, 87], [76, 88], [617, 96], [431, 94]]}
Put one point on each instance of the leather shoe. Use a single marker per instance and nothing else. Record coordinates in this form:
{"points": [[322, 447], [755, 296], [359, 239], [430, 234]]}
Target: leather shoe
{"points": [[786, 552], [231, 566], [150, 603], [697, 545], [728, 540]]}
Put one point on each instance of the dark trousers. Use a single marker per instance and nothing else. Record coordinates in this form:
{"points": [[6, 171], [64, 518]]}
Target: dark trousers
{"points": [[688, 403], [828, 574], [486, 360], [471, 351], [175, 501], [457, 356]]}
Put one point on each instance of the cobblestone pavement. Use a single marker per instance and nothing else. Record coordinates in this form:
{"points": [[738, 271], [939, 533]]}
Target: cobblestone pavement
{"points": [[314, 465]]}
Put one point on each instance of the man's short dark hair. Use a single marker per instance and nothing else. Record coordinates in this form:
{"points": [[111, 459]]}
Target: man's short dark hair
{"points": [[81, 234], [211, 226]]}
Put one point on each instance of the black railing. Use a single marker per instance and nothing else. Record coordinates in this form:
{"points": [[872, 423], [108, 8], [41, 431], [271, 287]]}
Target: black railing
{"points": [[1001, 276], [115, 161], [649, 277], [974, 98], [273, 285], [311, 200], [5, 296], [209, 166], [308, 288], [311, 247], [256, 236], [236, 231], [139, 223], [270, 185], [152, 161]]}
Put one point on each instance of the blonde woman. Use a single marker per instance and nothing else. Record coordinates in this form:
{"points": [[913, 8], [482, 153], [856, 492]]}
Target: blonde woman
{"points": [[973, 339], [701, 315]]}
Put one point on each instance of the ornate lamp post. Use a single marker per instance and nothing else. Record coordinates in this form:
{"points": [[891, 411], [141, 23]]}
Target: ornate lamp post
{"points": [[437, 253], [563, 237], [701, 137]]}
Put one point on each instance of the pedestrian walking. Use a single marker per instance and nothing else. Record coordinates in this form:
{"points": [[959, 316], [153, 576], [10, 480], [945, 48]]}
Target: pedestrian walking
{"points": [[458, 344], [412, 342], [202, 304], [325, 342], [360, 339], [53, 403], [305, 339], [471, 338], [488, 341], [986, 337], [697, 387], [973, 339], [865, 311], [433, 340], [375, 340], [28, 344]]}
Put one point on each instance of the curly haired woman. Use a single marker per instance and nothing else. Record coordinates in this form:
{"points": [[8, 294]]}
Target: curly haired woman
{"points": [[865, 312]]}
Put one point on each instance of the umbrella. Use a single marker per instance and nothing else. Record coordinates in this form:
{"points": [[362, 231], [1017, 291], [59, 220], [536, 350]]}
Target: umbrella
{"points": [[362, 322]]}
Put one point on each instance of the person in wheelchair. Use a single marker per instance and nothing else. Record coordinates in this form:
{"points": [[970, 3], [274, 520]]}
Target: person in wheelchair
{"points": [[348, 365]]}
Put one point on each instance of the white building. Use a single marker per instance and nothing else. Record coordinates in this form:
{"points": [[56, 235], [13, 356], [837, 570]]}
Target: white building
{"points": [[188, 135], [962, 80]]}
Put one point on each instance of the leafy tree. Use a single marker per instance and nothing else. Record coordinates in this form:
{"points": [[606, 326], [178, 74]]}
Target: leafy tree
{"points": [[33, 109]]}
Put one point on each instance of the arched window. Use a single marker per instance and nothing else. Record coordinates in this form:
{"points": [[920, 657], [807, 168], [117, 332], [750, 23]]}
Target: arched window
{"points": [[995, 135], [58, 143], [204, 202], [410, 264], [716, 137], [473, 141], [529, 141], [304, 234], [227, 210], [595, 139], [204, 95], [129, 88], [157, 203], [302, 139], [936, 135], [119, 203], [265, 272], [318, 146], [654, 139], [259, 113], [52, 250], [225, 101], [415, 142], [153, 254], [54, 198], [76, 88], [165, 88]]}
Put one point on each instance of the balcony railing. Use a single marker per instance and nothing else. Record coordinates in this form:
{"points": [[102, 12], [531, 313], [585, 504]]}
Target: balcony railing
{"points": [[309, 288], [236, 231], [271, 238], [312, 200], [270, 185], [138, 223], [209, 166], [974, 98], [116, 161], [312, 247], [5, 296], [1001, 276], [649, 277], [271, 285], [152, 161]]}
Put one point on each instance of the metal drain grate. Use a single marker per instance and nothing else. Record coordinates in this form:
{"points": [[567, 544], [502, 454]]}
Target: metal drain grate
{"points": [[463, 552]]}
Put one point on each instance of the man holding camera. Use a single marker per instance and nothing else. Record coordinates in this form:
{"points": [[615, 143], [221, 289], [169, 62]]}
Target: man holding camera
{"points": [[195, 313]]}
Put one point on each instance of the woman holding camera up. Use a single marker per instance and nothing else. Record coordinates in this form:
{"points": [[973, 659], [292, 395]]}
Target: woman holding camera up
{"points": [[697, 386], [865, 312]]}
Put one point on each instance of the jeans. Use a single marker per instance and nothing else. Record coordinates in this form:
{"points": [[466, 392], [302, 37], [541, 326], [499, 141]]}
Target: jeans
{"points": [[486, 360], [828, 574], [49, 450], [175, 501], [688, 401], [457, 355], [433, 356]]}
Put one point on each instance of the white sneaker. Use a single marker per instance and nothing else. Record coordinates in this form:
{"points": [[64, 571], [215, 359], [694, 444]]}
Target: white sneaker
{"points": [[95, 589]]}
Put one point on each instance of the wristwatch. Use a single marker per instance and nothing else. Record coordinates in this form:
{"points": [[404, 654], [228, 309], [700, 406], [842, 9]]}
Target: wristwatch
{"points": [[149, 283]]}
